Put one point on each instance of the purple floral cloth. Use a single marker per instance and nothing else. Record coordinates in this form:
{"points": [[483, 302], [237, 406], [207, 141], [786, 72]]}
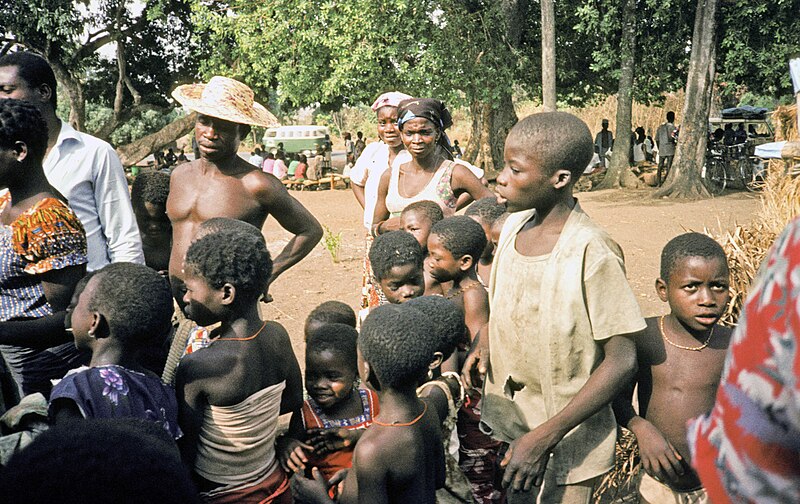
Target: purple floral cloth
{"points": [[117, 392]]}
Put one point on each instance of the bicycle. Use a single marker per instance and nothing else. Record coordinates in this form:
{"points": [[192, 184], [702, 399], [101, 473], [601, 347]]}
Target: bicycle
{"points": [[726, 165]]}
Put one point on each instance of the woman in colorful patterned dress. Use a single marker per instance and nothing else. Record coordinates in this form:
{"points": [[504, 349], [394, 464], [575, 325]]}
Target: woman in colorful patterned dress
{"points": [[431, 173], [42, 256]]}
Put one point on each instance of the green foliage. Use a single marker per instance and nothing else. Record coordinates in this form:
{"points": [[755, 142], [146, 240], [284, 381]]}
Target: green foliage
{"points": [[332, 242]]}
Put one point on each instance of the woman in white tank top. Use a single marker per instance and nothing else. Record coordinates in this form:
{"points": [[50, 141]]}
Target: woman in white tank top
{"points": [[431, 174]]}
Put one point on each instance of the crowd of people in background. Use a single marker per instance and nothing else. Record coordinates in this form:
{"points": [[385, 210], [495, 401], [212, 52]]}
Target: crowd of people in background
{"points": [[492, 358]]}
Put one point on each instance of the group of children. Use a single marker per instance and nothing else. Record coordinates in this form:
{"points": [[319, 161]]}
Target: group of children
{"points": [[527, 386]]}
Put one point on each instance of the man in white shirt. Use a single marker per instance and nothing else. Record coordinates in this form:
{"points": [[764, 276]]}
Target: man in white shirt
{"points": [[84, 169]]}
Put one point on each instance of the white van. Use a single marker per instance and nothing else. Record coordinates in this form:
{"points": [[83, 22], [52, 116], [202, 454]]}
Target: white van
{"points": [[296, 138]]}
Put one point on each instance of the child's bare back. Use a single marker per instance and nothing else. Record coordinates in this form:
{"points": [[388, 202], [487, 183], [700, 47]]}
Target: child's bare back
{"points": [[397, 463], [677, 384]]}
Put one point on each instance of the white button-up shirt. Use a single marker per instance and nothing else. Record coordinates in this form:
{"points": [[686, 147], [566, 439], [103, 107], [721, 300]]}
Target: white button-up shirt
{"points": [[87, 172]]}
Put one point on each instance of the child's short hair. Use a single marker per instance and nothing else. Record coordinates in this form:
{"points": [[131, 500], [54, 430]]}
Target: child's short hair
{"points": [[219, 224], [395, 248], [150, 187], [487, 210], [558, 140], [429, 209], [689, 245], [73, 464], [21, 121], [135, 300], [333, 312], [339, 339], [396, 343], [461, 236], [235, 257], [447, 320]]}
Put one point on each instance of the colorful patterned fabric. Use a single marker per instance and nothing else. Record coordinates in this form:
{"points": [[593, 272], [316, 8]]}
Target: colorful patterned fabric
{"points": [[314, 418], [748, 448], [117, 392], [46, 237], [479, 455]]}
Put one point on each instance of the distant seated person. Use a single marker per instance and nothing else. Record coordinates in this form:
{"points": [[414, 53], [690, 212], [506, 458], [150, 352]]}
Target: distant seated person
{"points": [[170, 159], [457, 153], [149, 198], [279, 168], [728, 135], [256, 159], [117, 312], [268, 164], [294, 161], [301, 168], [182, 157]]}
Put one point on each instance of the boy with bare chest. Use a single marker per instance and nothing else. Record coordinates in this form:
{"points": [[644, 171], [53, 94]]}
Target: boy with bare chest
{"points": [[680, 357]]}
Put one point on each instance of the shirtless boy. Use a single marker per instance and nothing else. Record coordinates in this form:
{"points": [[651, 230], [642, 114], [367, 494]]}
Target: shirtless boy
{"points": [[680, 363], [399, 458], [221, 184]]}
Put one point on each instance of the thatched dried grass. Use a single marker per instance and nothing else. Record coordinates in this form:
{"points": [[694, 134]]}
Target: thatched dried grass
{"points": [[621, 481], [747, 245], [784, 119]]}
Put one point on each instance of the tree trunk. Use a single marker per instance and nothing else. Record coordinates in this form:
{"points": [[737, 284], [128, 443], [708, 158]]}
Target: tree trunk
{"points": [[74, 88], [548, 55], [473, 147], [684, 180], [619, 172], [491, 123], [134, 152]]}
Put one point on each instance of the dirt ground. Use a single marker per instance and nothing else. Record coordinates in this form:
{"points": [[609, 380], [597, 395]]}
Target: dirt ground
{"points": [[640, 224]]}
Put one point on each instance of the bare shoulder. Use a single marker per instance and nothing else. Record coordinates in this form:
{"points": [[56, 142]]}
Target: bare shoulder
{"points": [[265, 188], [649, 343], [184, 170], [277, 336], [373, 449], [197, 367], [476, 296]]}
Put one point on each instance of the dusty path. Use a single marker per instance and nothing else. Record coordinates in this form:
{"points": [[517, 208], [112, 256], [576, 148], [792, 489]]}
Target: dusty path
{"points": [[639, 223]]}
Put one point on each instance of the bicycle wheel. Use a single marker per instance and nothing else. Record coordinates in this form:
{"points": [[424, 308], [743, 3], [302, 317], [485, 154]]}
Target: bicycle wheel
{"points": [[715, 176], [752, 173]]}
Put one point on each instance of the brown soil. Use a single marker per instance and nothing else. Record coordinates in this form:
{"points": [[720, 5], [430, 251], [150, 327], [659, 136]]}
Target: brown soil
{"points": [[640, 224]]}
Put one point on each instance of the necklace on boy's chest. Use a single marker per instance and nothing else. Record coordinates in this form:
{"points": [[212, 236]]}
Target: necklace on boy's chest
{"points": [[682, 347], [220, 338], [405, 424], [462, 290]]}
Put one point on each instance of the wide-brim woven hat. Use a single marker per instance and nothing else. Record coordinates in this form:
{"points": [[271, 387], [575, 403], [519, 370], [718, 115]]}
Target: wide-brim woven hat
{"points": [[227, 99]]}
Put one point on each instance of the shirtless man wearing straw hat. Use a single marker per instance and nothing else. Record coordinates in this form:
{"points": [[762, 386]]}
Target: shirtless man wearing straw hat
{"points": [[221, 184]]}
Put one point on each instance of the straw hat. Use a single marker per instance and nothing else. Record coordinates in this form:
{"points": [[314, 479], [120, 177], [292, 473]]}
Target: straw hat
{"points": [[226, 99]]}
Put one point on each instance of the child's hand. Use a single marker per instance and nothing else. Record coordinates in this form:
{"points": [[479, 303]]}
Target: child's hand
{"points": [[659, 458], [292, 454], [310, 490], [526, 460], [476, 364], [325, 441]]}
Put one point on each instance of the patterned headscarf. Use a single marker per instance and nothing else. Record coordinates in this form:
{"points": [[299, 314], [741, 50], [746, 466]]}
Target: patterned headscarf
{"points": [[427, 108], [432, 110], [390, 99]]}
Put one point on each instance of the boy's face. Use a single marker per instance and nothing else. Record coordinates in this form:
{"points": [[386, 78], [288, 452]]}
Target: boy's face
{"points": [[203, 302], [488, 250], [402, 283], [522, 185], [442, 266], [329, 380], [79, 318], [152, 219], [418, 225], [697, 291]]}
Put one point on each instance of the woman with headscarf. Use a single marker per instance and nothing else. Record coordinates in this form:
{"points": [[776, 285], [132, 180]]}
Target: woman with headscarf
{"points": [[431, 173], [365, 176]]}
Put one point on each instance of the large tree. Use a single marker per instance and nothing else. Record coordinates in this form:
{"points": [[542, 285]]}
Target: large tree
{"points": [[684, 179], [122, 55]]}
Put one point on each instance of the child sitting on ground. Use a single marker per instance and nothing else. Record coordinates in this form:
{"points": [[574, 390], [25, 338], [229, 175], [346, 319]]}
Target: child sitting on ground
{"points": [[486, 212], [417, 219], [560, 337], [324, 433], [149, 198], [114, 315], [399, 458], [455, 244], [397, 263], [329, 312], [231, 392], [681, 356]]}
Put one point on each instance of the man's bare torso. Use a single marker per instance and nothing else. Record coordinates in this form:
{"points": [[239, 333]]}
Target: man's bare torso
{"points": [[198, 193]]}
